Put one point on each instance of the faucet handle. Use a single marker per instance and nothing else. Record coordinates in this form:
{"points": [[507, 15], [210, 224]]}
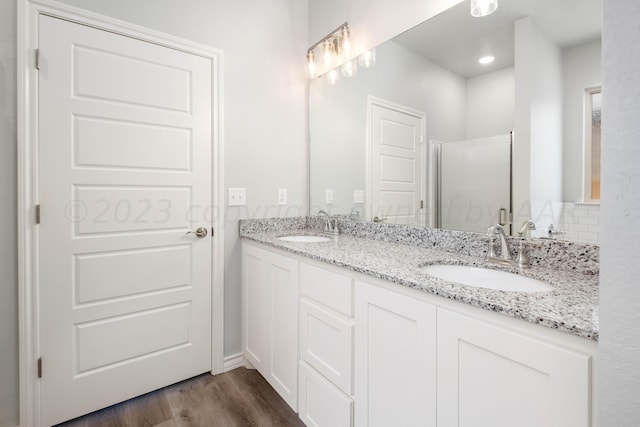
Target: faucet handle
{"points": [[492, 247], [523, 255], [527, 225], [553, 232]]}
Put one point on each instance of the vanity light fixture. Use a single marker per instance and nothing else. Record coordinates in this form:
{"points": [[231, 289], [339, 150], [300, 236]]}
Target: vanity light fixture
{"points": [[481, 8], [485, 60], [335, 53], [334, 50]]}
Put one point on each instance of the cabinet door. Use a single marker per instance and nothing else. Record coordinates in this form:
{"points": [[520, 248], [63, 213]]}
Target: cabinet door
{"points": [[494, 377], [321, 403], [270, 318], [395, 359], [283, 331], [255, 316]]}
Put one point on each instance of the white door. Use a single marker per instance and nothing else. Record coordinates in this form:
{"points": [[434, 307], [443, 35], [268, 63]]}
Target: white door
{"points": [[475, 183], [124, 133], [397, 183]]}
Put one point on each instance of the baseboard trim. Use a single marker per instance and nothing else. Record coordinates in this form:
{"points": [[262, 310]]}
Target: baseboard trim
{"points": [[232, 362]]}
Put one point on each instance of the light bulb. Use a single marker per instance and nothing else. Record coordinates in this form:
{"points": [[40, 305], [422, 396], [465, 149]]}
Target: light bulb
{"points": [[481, 8], [332, 76], [367, 58], [327, 53], [349, 68], [346, 42], [311, 64]]}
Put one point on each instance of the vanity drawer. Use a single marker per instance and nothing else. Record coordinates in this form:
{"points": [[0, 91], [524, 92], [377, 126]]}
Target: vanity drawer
{"points": [[328, 288], [326, 343], [321, 404]]}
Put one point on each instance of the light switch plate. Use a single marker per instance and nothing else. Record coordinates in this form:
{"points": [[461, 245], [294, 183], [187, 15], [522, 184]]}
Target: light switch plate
{"points": [[328, 196], [282, 196], [237, 197], [358, 196]]}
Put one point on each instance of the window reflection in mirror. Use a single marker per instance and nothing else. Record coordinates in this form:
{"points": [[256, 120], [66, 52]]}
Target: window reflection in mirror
{"points": [[593, 117]]}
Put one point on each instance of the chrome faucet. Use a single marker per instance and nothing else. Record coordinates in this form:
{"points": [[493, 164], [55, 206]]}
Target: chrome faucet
{"points": [[330, 224], [522, 260], [505, 251], [527, 225]]}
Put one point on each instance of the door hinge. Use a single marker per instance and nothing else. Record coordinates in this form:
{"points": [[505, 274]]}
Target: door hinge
{"points": [[421, 204], [37, 214], [37, 59], [213, 232], [40, 367]]}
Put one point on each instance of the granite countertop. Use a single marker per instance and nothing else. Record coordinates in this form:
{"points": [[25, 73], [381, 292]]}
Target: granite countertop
{"points": [[571, 307]]}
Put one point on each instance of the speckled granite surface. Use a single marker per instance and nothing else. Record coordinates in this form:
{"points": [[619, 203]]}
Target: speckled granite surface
{"points": [[398, 255]]}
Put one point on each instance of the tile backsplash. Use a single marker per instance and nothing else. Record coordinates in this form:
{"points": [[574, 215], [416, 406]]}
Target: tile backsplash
{"points": [[581, 222]]}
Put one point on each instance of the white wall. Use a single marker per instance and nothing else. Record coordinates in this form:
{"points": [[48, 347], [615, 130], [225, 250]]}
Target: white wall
{"points": [[371, 21], [338, 118], [8, 237], [581, 67], [491, 104], [619, 346], [537, 153]]}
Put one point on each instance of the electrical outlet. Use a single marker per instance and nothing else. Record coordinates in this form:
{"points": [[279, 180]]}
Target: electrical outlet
{"points": [[328, 196], [358, 196], [237, 197], [282, 196]]}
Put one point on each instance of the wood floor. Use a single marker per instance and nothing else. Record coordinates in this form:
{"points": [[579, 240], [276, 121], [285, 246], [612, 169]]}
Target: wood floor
{"points": [[237, 398]]}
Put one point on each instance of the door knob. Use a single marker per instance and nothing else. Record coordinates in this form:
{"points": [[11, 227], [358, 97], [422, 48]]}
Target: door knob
{"points": [[200, 232], [377, 219]]}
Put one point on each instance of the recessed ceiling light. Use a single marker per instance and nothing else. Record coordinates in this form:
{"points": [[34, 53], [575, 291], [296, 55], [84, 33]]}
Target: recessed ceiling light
{"points": [[487, 60], [481, 8]]}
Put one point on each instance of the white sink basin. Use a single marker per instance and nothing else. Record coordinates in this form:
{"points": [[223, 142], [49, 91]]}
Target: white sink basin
{"points": [[304, 239], [486, 278]]}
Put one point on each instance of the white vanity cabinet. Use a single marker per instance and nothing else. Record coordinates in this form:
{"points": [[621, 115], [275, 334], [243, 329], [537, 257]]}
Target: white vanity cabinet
{"points": [[326, 347], [270, 318], [395, 359], [493, 376], [346, 349]]}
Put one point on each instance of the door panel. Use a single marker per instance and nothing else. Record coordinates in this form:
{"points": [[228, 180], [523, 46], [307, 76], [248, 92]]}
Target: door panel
{"points": [[124, 149], [116, 274], [120, 144], [115, 76]]}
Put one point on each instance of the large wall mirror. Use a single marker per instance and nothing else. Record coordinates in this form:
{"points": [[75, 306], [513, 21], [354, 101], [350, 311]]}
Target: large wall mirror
{"points": [[431, 136]]}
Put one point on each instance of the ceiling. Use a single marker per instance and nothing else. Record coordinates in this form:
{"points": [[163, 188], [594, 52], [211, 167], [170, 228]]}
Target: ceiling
{"points": [[456, 40]]}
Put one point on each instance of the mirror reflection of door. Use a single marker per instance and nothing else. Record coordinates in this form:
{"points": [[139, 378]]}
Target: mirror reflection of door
{"points": [[397, 164], [473, 183]]}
